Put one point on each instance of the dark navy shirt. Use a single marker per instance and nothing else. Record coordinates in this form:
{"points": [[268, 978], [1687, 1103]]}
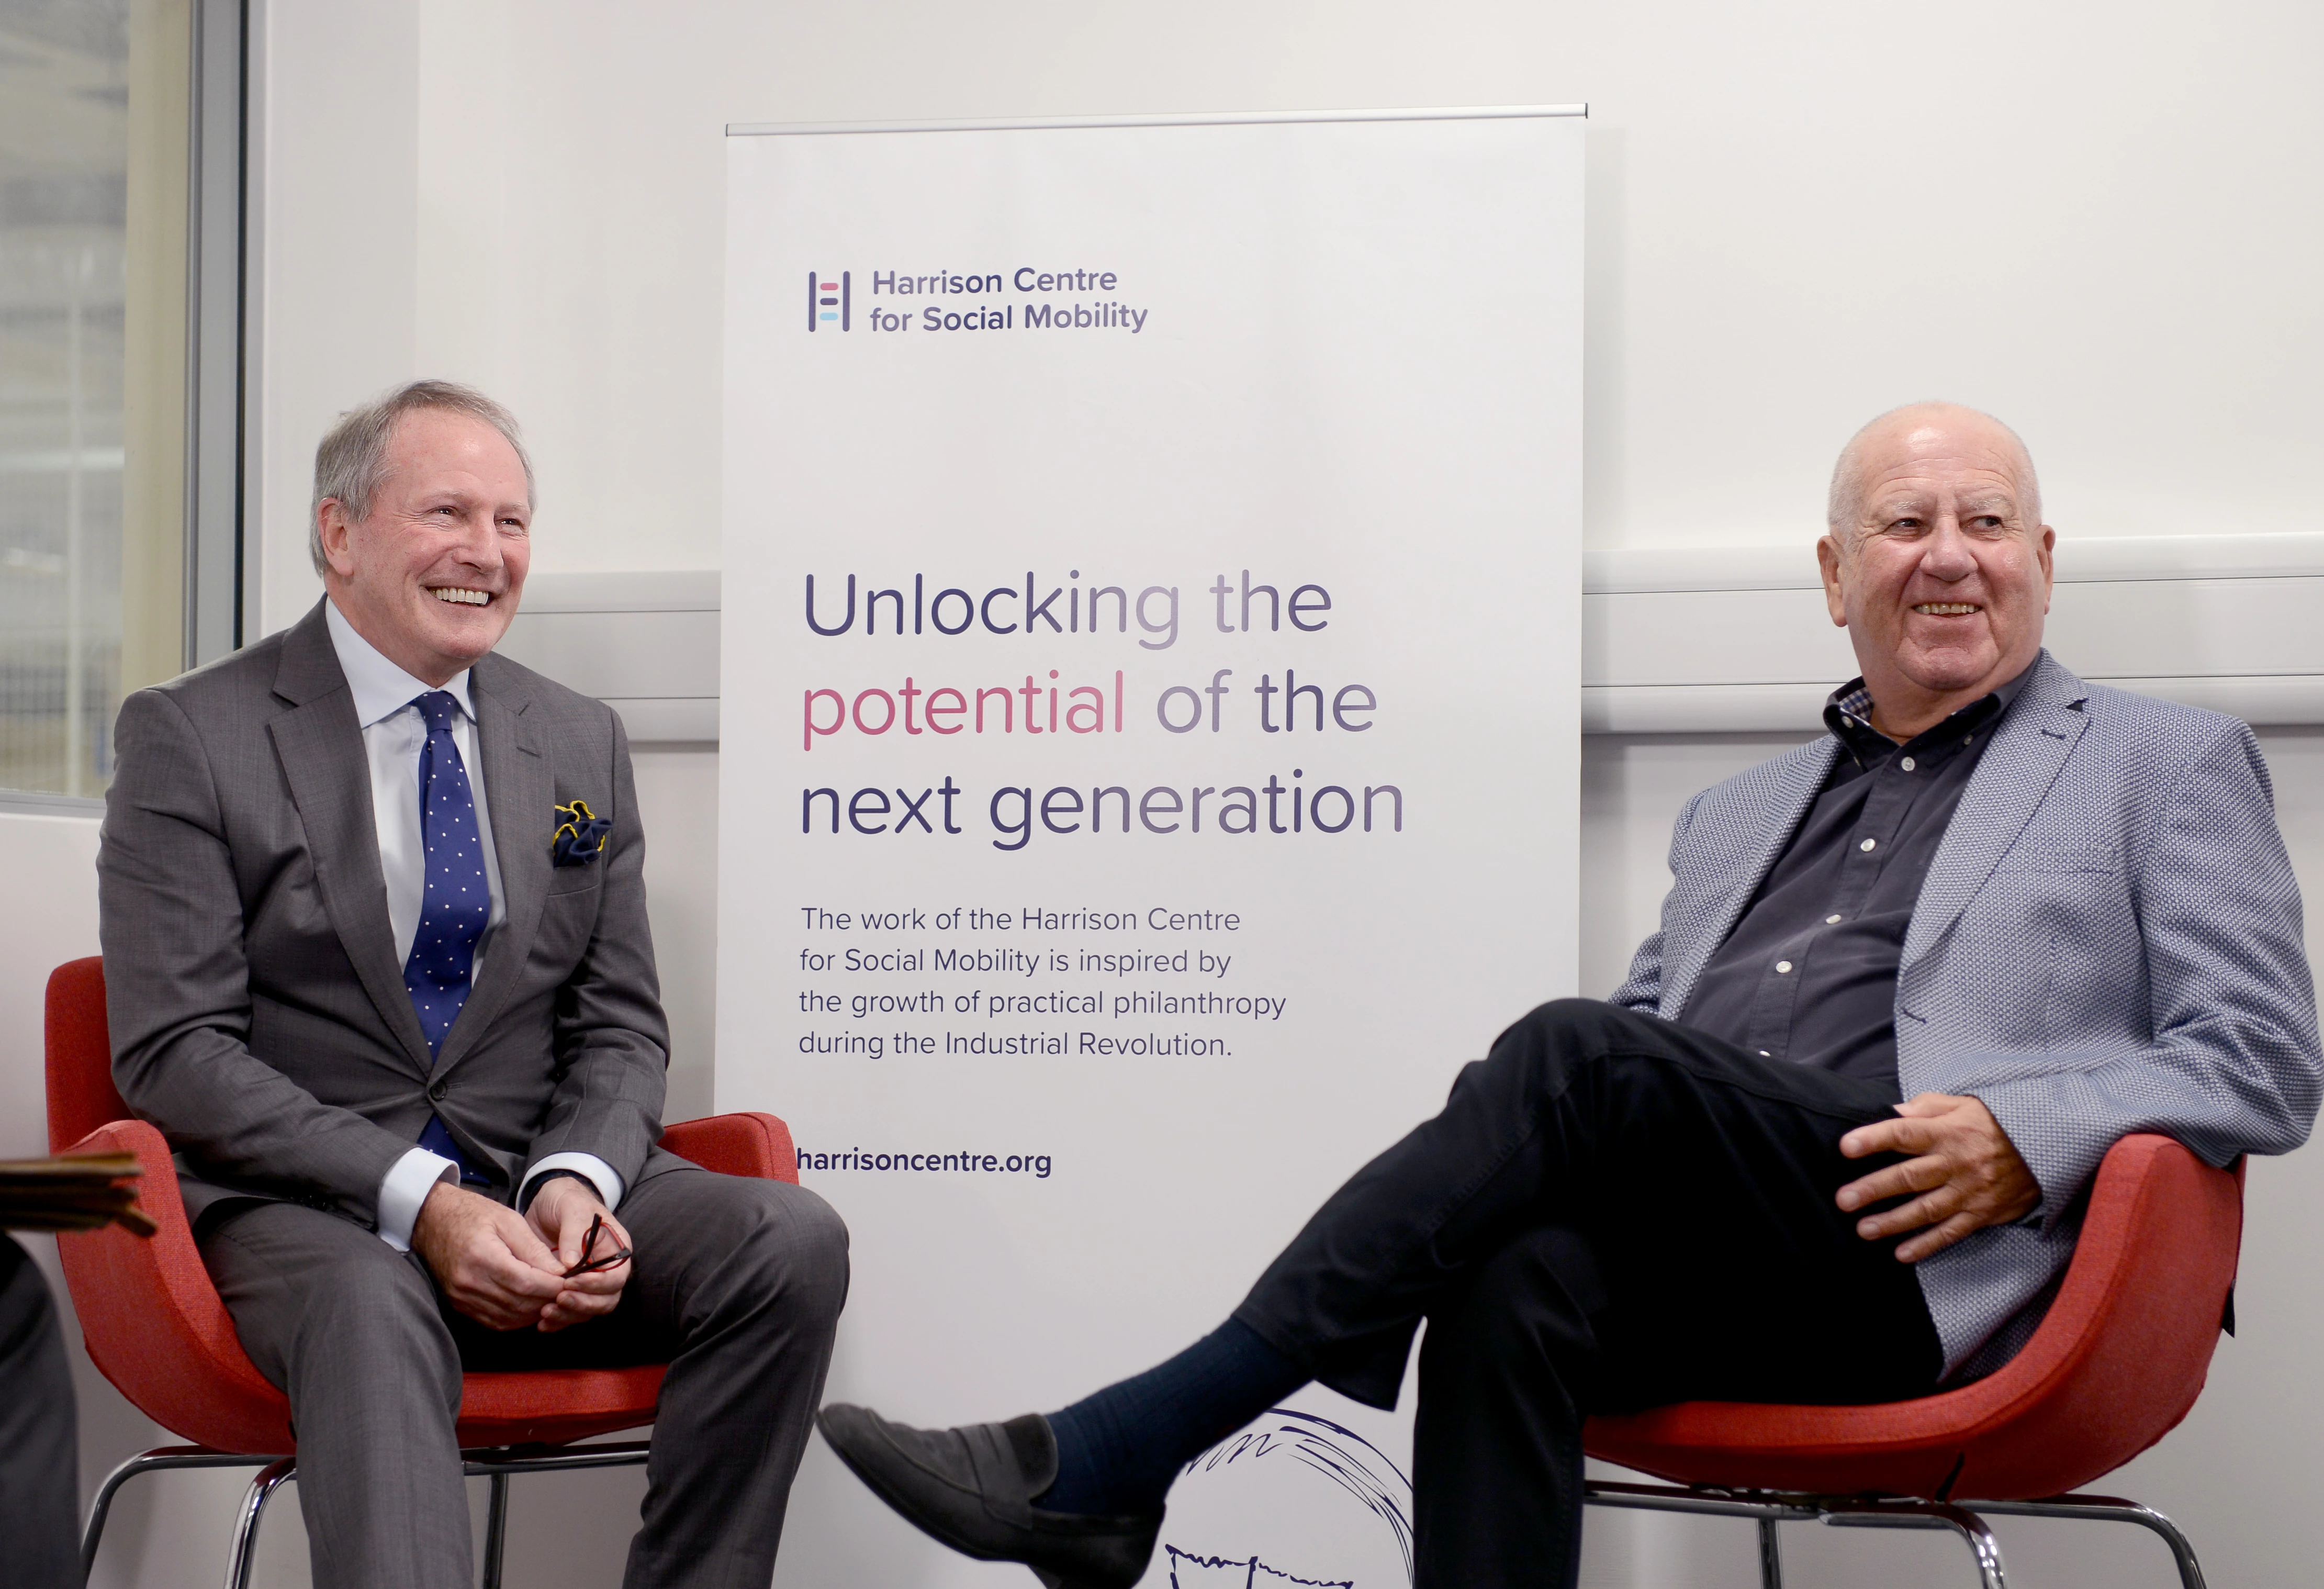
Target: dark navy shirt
{"points": [[1809, 974]]}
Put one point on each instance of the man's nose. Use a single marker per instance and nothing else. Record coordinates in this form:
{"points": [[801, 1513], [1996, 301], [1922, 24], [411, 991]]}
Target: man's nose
{"points": [[480, 542], [1948, 556]]}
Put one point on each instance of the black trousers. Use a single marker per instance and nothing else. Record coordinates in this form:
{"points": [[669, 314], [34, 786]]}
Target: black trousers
{"points": [[40, 1459], [1613, 1212]]}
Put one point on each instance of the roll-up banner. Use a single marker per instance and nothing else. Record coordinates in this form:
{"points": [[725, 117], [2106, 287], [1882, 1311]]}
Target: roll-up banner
{"points": [[1149, 738]]}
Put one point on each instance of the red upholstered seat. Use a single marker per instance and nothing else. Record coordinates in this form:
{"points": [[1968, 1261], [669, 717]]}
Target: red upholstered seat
{"points": [[2115, 1364], [155, 1326]]}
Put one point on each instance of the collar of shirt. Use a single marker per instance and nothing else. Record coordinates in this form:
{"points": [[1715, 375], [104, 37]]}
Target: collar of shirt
{"points": [[1848, 713], [380, 688]]}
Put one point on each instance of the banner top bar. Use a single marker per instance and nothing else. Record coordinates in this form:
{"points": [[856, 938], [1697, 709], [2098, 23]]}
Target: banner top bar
{"points": [[1227, 118]]}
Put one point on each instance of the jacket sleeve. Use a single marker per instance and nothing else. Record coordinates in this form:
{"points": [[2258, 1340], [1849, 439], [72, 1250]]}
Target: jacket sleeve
{"points": [[1642, 989], [612, 1042], [170, 921], [2232, 1066]]}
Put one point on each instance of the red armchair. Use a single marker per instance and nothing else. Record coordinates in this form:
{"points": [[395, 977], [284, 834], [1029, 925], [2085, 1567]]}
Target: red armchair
{"points": [[155, 1328], [2117, 1361]]}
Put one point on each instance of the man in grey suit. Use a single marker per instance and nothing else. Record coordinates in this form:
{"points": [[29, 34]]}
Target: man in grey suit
{"points": [[377, 963], [1993, 920]]}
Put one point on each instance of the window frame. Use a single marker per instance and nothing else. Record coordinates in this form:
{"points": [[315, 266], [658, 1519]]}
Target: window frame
{"points": [[216, 572], [215, 291]]}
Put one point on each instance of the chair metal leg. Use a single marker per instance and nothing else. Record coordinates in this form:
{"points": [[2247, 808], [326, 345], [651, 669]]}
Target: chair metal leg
{"points": [[1769, 1508], [1983, 1547], [496, 1529], [496, 1463], [2110, 1509], [154, 1461], [1771, 1556], [485, 1461], [1772, 1506], [270, 1478]]}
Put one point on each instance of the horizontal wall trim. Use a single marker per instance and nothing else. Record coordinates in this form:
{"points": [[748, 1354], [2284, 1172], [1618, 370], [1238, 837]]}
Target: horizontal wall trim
{"points": [[654, 590], [2264, 701], [644, 643], [1224, 118], [1651, 570], [1697, 639], [1739, 638], [682, 721], [25, 802]]}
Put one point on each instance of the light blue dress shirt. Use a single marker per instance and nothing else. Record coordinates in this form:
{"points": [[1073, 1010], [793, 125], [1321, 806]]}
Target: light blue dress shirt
{"points": [[393, 733]]}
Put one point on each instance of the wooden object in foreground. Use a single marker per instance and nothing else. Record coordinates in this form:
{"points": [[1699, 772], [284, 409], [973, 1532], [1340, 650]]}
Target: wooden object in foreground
{"points": [[76, 1192]]}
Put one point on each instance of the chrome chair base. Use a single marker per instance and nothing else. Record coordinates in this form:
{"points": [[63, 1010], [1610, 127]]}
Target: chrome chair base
{"points": [[497, 1464], [1770, 1507]]}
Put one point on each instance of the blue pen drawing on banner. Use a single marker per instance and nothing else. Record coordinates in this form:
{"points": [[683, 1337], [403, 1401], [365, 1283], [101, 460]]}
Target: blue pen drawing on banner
{"points": [[1212, 1538], [1212, 1571]]}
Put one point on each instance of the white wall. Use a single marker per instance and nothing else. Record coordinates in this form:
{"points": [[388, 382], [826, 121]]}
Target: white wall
{"points": [[2095, 218]]}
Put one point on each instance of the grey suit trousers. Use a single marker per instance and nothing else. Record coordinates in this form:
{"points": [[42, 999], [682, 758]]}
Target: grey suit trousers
{"points": [[39, 1461], [737, 1285]]}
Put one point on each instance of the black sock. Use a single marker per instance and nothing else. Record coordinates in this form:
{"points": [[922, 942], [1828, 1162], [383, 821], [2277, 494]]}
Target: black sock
{"points": [[1119, 1450]]}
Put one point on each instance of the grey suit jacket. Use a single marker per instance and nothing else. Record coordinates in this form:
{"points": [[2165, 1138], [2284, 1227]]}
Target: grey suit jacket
{"points": [[2108, 941], [258, 1011]]}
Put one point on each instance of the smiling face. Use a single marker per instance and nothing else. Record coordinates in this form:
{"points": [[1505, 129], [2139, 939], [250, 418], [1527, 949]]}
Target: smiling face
{"points": [[430, 576], [1937, 564]]}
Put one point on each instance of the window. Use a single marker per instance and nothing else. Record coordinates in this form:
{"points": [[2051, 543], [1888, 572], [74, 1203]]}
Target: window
{"points": [[100, 190]]}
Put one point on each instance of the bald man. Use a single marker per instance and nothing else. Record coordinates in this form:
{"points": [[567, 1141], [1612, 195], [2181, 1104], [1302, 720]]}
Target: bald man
{"points": [[1825, 1145]]}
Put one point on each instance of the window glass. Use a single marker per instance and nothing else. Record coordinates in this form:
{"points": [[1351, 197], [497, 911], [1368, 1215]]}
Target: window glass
{"points": [[94, 140]]}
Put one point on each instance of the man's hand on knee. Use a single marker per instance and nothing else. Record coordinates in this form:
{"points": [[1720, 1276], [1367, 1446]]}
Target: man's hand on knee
{"points": [[1965, 1168], [562, 1214], [487, 1258]]}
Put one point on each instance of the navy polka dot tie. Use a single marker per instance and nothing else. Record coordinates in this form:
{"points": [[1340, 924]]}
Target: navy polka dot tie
{"points": [[457, 903]]}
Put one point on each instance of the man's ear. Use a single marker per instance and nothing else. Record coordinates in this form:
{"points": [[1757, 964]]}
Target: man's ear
{"points": [[333, 527], [1834, 600], [2045, 547]]}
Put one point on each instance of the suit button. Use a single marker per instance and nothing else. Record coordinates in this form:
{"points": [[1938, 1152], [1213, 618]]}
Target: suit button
{"points": [[435, 1090]]}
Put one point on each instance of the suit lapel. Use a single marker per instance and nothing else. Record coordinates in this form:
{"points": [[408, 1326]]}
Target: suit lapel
{"points": [[2019, 766], [1788, 803], [320, 747], [521, 792]]}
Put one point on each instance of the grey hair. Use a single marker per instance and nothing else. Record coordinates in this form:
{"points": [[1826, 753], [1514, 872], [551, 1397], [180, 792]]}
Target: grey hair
{"points": [[1844, 503], [351, 461]]}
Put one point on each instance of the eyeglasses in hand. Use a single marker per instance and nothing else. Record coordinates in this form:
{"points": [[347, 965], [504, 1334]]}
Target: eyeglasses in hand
{"points": [[591, 1265]]}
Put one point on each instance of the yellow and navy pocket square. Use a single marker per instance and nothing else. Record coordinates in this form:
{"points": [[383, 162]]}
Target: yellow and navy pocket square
{"points": [[580, 834]]}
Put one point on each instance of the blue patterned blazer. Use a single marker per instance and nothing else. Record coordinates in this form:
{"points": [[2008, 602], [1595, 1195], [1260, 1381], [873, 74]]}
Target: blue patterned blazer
{"points": [[2108, 941]]}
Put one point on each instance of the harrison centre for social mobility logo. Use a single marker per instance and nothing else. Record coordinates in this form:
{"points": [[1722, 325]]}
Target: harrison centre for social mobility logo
{"points": [[1031, 298], [830, 302]]}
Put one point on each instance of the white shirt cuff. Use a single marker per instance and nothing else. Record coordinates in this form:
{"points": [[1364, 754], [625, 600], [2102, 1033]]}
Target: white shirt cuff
{"points": [[588, 1166], [404, 1188]]}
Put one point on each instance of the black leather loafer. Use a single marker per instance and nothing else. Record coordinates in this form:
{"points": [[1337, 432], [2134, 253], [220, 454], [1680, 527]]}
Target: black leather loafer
{"points": [[972, 1488]]}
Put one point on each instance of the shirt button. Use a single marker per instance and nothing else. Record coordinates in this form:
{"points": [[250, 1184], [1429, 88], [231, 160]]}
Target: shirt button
{"points": [[1829, 920], [1868, 843], [1765, 1055], [1906, 764], [1783, 968]]}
